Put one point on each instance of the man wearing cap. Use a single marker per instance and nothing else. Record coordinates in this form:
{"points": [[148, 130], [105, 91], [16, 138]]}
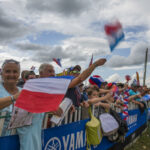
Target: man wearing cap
{"points": [[74, 71], [74, 93]]}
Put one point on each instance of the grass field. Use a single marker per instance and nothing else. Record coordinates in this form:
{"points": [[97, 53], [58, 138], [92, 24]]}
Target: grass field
{"points": [[143, 143]]}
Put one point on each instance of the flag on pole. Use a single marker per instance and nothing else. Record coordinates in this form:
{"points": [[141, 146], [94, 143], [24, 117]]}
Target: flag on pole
{"points": [[114, 33], [57, 61], [42, 94], [91, 61], [32, 68]]}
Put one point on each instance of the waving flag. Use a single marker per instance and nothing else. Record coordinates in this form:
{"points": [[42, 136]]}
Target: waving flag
{"points": [[91, 62], [115, 89], [96, 80], [42, 94], [57, 61], [128, 78], [32, 68], [134, 83], [114, 33]]}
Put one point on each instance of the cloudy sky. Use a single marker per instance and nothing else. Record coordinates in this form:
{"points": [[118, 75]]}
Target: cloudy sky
{"points": [[35, 31]]}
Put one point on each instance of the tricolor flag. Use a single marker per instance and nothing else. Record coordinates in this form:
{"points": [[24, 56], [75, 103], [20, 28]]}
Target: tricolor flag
{"points": [[32, 68], [57, 60], [115, 88], [91, 62], [96, 80], [114, 33], [42, 94], [128, 78], [134, 82], [125, 113]]}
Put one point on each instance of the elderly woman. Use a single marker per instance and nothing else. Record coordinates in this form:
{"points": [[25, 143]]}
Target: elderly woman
{"points": [[10, 74]]}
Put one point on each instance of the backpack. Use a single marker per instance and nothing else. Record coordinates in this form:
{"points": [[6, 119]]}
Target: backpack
{"points": [[93, 130], [109, 124], [123, 127]]}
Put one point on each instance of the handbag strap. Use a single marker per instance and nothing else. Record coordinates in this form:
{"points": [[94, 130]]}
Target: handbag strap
{"points": [[90, 111]]}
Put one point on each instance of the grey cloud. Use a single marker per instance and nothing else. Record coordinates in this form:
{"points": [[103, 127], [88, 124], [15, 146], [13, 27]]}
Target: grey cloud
{"points": [[136, 57], [29, 47], [64, 7], [42, 53], [57, 52], [10, 29]]}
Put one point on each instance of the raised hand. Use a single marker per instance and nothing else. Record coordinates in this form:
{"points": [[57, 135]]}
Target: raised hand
{"points": [[100, 62]]}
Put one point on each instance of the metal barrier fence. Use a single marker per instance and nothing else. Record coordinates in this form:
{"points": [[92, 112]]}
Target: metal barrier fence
{"points": [[69, 118]]}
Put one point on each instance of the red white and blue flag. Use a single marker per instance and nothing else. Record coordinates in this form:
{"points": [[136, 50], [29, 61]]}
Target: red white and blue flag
{"points": [[42, 94], [114, 33], [32, 68], [128, 78], [57, 60], [91, 61], [96, 80]]}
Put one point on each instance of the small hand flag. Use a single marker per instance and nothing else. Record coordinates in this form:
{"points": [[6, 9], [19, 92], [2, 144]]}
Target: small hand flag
{"points": [[57, 60], [114, 33]]}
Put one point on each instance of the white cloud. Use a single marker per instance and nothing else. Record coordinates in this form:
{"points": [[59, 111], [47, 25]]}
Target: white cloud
{"points": [[136, 57], [114, 78]]}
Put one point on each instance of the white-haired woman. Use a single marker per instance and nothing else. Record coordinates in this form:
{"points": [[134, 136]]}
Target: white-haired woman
{"points": [[10, 72]]}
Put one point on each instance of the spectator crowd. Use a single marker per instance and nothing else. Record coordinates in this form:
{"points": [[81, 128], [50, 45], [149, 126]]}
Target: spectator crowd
{"points": [[98, 94]]}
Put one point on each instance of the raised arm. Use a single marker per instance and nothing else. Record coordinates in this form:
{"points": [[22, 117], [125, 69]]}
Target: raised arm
{"points": [[86, 73]]}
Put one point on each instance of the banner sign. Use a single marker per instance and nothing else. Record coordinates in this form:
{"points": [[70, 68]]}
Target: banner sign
{"points": [[72, 136], [148, 113]]}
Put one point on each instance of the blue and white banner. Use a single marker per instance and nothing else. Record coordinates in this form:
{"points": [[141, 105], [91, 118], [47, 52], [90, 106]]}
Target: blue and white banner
{"points": [[72, 136]]}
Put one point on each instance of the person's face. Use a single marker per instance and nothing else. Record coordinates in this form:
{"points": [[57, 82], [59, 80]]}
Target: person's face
{"points": [[48, 72], [81, 88], [134, 89], [31, 76], [10, 73], [75, 72], [94, 94]]}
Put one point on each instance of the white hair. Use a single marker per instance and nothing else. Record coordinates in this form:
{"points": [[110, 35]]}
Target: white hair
{"points": [[43, 66]]}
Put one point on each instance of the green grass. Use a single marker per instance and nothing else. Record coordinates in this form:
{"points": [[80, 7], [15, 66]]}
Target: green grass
{"points": [[143, 143]]}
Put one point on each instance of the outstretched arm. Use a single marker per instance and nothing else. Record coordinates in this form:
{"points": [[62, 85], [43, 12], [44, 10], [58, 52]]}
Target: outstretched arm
{"points": [[98, 99], [134, 96], [95, 100], [86, 73]]}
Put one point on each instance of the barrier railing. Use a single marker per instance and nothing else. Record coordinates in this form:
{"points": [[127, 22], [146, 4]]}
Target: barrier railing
{"points": [[69, 118]]}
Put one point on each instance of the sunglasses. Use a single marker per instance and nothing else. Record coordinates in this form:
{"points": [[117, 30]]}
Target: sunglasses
{"points": [[76, 72]]}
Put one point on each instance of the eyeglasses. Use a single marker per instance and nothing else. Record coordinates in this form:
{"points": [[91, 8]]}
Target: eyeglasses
{"points": [[76, 72]]}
